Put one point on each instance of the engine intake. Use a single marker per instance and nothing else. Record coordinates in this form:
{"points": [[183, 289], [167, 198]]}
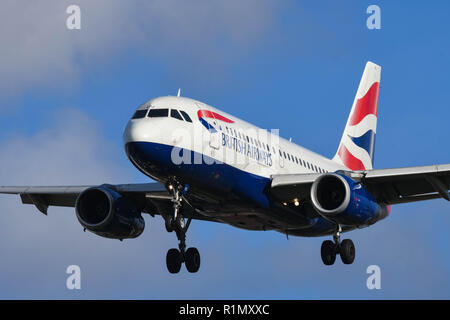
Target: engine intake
{"points": [[343, 200], [330, 194], [107, 213]]}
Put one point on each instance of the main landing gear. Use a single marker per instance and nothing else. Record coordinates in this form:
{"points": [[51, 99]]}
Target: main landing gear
{"points": [[177, 223], [346, 249]]}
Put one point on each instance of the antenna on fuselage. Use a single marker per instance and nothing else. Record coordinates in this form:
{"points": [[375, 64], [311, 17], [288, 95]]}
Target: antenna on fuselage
{"points": [[179, 92]]}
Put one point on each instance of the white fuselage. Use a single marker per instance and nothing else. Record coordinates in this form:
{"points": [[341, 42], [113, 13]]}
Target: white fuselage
{"points": [[231, 140]]}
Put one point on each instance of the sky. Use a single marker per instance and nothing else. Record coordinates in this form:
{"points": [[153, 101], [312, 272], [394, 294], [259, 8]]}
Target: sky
{"points": [[66, 96]]}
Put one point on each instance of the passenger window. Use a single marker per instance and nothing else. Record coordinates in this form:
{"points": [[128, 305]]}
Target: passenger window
{"points": [[175, 114], [157, 113], [139, 114], [185, 116]]}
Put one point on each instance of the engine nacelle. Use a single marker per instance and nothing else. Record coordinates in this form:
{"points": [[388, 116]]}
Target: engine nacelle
{"points": [[345, 201], [108, 214]]}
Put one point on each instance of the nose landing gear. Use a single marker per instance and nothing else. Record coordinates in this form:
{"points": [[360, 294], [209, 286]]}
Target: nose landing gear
{"points": [[176, 257], [329, 249]]}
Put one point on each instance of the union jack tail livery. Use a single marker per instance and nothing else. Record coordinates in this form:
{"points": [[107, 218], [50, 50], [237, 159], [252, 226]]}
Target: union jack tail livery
{"points": [[356, 149]]}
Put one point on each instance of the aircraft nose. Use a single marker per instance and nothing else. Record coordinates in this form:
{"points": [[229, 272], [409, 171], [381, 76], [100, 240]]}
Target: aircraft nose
{"points": [[135, 131]]}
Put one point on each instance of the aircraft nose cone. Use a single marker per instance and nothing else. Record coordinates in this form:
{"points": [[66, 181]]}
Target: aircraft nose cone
{"points": [[135, 131]]}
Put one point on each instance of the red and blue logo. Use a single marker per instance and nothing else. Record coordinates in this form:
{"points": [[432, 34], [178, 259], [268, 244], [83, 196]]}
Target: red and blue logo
{"points": [[202, 114], [366, 106]]}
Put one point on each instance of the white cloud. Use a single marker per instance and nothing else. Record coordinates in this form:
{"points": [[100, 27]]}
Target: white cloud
{"points": [[73, 151], [36, 249], [38, 52]]}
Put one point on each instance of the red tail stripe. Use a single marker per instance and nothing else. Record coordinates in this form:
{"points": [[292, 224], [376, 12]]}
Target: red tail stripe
{"points": [[213, 115], [366, 105], [349, 160]]}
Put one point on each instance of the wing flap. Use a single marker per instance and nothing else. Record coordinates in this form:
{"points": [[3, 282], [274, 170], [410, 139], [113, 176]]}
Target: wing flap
{"points": [[286, 187]]}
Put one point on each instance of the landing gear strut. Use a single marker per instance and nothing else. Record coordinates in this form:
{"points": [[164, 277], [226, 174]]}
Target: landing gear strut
{"points": [[346, 249], [177, 222]]}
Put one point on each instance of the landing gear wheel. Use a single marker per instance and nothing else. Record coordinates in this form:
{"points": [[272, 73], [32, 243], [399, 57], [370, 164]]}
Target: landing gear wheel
{"points": [[328, 252], [192, 260], [178, 223], [173, 260], [347, 251]]}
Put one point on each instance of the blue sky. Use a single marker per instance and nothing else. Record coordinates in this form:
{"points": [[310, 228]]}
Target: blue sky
{"points": [[65, 98]]}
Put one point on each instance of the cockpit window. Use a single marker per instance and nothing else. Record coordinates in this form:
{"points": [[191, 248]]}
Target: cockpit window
{"points": [[157, 113], [185, 116], [140, 114], [175, 114]]}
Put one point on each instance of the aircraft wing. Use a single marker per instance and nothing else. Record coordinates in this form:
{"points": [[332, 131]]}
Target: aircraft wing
{"points": [[388, 186], [66, 196], [392, 186], [151, 198]]}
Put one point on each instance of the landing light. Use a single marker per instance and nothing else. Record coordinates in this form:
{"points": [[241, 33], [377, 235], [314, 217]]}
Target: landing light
{"points": [[284, 204], [296, 202]]}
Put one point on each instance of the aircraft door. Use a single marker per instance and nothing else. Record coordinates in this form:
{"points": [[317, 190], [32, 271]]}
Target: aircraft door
{"points": [[214, 136], [210, 123], [280, 159]]}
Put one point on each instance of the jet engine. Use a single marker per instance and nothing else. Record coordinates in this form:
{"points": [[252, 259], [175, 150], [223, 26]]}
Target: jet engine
{"points": [[342, 200], [108, 214]]}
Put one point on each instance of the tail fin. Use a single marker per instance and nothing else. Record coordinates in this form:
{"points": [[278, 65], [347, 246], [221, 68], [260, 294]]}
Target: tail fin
{"points": [[356, 149]]}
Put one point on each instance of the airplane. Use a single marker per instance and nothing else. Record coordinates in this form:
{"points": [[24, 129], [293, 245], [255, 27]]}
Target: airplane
{"points": [[209, 165]]}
